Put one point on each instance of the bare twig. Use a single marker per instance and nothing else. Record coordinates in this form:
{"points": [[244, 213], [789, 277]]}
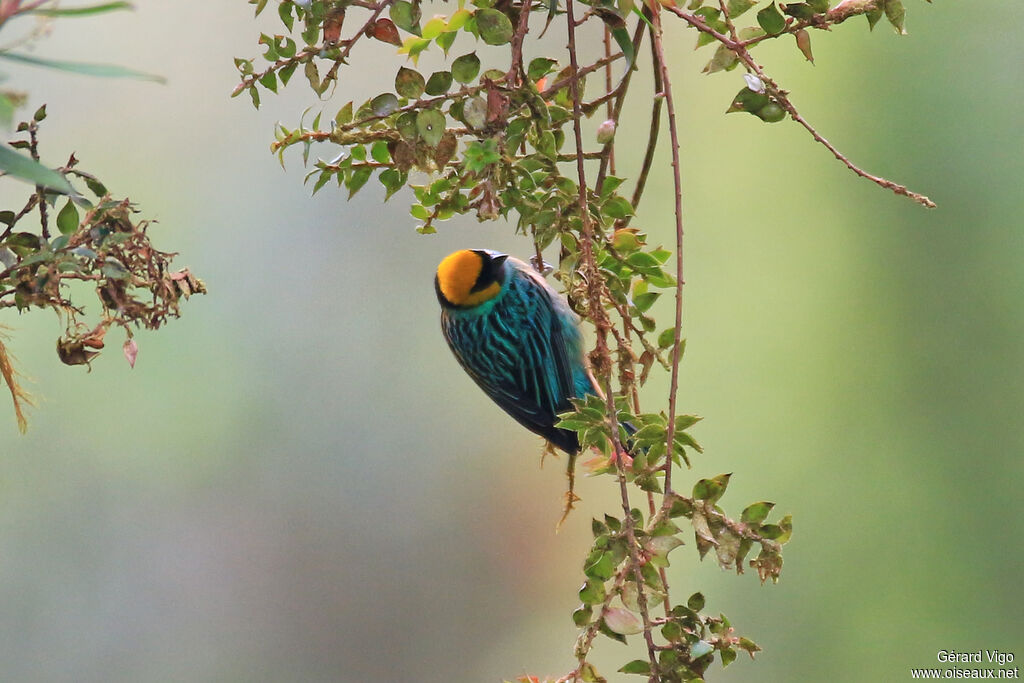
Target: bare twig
{"points": [[515, 69], [652, 137], [33, 148], [666, 83], [619, 94]]}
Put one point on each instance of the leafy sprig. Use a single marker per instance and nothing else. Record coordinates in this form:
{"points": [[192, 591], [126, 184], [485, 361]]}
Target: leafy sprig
{"points": [[503, 138]]}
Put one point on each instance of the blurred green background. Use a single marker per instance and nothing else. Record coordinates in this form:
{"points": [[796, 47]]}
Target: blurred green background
{"points": [[298, 483]]}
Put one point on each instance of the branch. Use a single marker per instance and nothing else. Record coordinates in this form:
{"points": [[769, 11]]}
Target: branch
{"points": [[652, 137], [516, 66], [600, 320], [662, 68], [781, 97]]}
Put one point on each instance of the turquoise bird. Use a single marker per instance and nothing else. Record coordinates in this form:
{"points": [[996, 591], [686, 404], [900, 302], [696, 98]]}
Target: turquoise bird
{"points": [[516, 337]]}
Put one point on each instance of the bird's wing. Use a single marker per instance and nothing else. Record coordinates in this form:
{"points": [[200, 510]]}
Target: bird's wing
{"points": [[517, 354]]}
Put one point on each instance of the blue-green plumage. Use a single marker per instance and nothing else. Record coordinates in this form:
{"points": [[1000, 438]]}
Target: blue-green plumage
{"points": [[522, 345]]}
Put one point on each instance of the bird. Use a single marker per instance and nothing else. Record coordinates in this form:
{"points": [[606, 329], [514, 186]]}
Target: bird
{"points": [[516, 337]]}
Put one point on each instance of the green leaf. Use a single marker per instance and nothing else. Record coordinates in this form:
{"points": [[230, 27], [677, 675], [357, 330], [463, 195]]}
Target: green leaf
{"points": [[711, 489], [29, 170], [269, 81], [799, 10], [439, 82], [592, 593], [666, 338], [344, 115], [540, 67], [379, 152], [284, 11], [67, 219], [819, 6], [724, 59], [771, 20], [738, 7], [430, 124], [466, 68], [645, 300], [494, 26], [641, 260], [728, 656], [480, 155], [409, 83], [445, 41], [102, 70], [406, 16], [618, 207], [756, 512], [873, 16], [433, 28], [384, 104], [285, 73], [358, 179], [748, 645], [637, 666], [393, 180], [601, 569], [749, 101], [895, 12], [581, 615], [458, 20], [621, 36], [696, 602], [82, 11]]}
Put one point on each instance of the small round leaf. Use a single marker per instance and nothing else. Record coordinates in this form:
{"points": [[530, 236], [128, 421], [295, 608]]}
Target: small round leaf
{"points": [[439, 82], [494, 26], [466, 68], [430, 126], [409, 83], [384, 104], [474, 113]]}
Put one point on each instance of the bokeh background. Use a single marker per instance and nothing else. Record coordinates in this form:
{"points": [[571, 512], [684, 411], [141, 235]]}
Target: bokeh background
{"points": [[297, 483]]}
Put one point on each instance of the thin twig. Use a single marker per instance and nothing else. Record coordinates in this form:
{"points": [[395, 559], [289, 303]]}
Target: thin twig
{"points": [[610, 109], [332, 74], [652, 138], [781, 97], [516, 67], [666, 90], [616, 111], [33, 149], [549, 92]]}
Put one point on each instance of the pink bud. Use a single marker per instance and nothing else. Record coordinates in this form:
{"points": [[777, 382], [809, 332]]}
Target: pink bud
{"points": [[131, 350]]}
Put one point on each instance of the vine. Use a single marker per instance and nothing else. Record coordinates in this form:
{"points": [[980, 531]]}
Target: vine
{"points": [[508, 142]]}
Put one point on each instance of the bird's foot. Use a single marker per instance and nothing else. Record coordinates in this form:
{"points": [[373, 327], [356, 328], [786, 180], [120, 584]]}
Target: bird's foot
{"points": [[570, 495], [549, 449]]}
